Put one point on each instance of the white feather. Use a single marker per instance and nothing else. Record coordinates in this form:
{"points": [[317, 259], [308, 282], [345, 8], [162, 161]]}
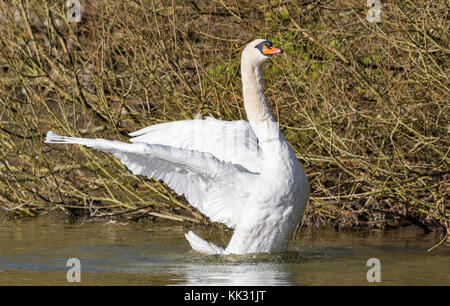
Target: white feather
{"points": [[232, 141]]}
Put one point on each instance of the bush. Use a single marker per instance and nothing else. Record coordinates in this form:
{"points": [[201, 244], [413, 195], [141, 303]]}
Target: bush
{"points": [[364, 105]]}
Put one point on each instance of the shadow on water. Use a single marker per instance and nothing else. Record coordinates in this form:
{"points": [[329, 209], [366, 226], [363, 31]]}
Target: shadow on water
{"points": [[33, 252]]}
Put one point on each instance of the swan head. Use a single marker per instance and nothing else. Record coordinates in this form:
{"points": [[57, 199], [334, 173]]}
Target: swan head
{"points": [[258, 51]]}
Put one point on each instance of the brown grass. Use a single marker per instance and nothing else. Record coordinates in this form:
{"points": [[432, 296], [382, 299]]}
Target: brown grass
{"points": [[364, 105]]}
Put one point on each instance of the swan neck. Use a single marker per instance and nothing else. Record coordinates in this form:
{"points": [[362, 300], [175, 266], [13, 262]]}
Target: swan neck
{"points": [[253, 90]]}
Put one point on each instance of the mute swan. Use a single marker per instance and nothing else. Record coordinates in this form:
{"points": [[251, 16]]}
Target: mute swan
{"points": [[242, 174]]}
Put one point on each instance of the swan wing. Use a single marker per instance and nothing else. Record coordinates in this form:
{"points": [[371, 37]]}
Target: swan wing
{"points": [[231, 141], [209, 184]]}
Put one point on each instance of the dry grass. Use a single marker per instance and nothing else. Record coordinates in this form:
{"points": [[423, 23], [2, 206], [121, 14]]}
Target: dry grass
{"points": [[364, 105]]}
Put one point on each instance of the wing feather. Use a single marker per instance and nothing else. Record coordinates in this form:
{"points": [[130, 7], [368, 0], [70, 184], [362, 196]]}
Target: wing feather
{"points": [[231, 141], [209, 184]]}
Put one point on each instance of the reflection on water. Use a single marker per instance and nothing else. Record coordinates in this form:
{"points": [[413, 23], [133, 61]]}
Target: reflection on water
{"points": [[36, 252], [245, 274]]}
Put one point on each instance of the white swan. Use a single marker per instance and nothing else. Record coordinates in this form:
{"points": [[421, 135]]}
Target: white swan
{"points": [[242, 174]]}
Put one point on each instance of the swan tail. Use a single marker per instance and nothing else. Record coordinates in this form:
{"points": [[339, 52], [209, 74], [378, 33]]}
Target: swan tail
{"points": [[202, 246]]}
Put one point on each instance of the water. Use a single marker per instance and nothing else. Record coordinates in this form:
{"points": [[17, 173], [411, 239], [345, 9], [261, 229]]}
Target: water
{"points": [[35, 252]]}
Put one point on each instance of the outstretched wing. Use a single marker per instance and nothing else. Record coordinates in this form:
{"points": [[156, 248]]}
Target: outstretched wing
{"points": [[230, 141], [209, 184]]}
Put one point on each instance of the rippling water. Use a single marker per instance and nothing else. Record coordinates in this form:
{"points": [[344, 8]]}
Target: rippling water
{"points": [[35, 252]]}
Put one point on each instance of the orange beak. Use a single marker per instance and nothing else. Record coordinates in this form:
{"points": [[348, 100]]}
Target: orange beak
{"points": [[271, 51]]}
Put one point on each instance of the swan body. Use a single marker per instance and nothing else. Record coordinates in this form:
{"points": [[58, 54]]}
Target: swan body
{"points": [[242, 174]]}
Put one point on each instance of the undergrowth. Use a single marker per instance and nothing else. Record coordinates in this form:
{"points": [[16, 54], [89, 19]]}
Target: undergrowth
{"points": [[364, 105]]}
